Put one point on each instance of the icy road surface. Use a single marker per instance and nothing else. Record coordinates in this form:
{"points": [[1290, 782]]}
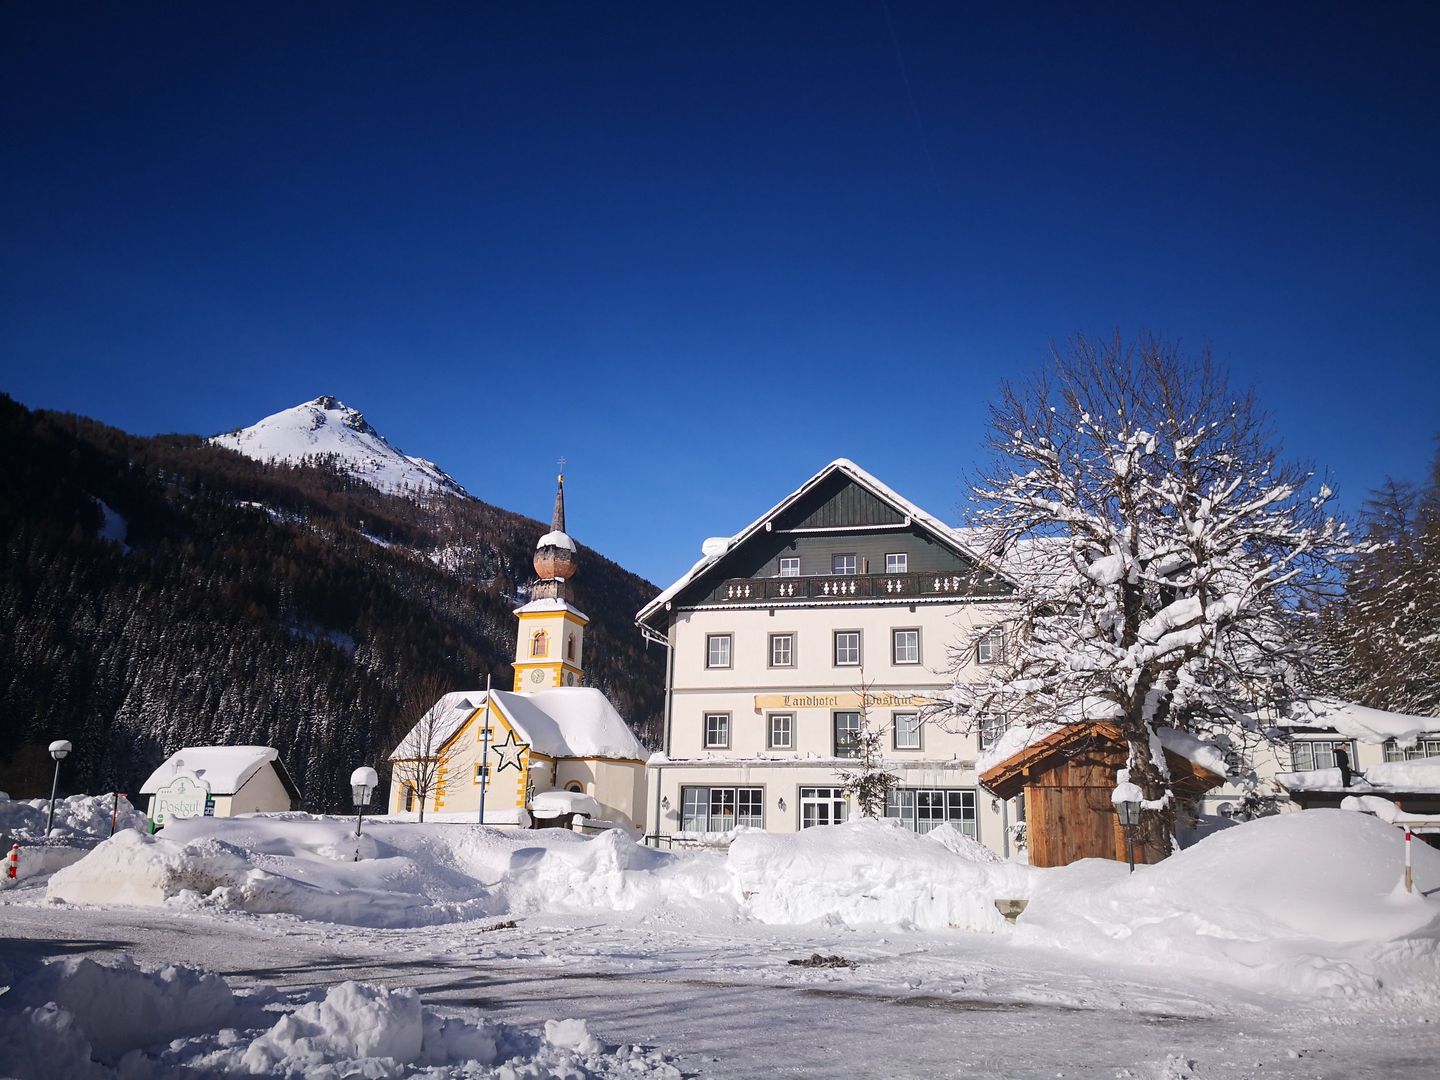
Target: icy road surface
{"points": [[725, 1002]]}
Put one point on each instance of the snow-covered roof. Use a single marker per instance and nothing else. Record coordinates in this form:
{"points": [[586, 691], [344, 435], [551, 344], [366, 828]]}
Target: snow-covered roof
{"points": [[568, 721], [326, 427], [1193, 749], [553, 804], [556, 539], [1360, 723], [571, 721], [550, 604], [1418, 777], [224, 768], [716, 548]]}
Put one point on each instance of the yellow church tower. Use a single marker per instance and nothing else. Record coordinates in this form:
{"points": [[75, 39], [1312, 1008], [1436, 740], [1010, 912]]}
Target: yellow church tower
{"points": [[550, 645]]}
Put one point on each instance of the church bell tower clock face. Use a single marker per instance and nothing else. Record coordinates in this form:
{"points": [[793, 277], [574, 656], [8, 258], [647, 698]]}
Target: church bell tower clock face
{"points": [[537, 676]]}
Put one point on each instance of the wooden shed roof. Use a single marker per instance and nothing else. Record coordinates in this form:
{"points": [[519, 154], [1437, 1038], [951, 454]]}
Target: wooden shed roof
{"points": [[1007, 778]]}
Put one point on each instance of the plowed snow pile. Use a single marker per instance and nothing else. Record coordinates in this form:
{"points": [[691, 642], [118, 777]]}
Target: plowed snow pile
{"points": [[1306, 900], [76, 816], [78, 1020]]}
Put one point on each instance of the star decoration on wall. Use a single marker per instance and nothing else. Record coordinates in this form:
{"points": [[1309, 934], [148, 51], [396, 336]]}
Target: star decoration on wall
{"points": [[509, 752]]}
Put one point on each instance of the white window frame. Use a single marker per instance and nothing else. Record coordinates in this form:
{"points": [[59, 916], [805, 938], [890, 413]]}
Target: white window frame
{"points": [[990, 647], [831, 800], [1425, 746], [711, 641], [923, 809], [773, 728], [991, 730], [895, 645], [789, 566], [1316, 751], [911, 729], [844, 564], [897, 562], [710, 739], [859, 652], [712, 802], [789, 638]]}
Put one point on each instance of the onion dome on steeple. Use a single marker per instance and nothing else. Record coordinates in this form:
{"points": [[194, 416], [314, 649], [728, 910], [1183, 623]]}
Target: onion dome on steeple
{"points": [[555, 555]]}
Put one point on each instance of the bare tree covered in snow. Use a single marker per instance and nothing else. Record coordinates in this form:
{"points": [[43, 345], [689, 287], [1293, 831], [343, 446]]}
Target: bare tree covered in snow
{"points": [[421, 759], [1163, 553]]}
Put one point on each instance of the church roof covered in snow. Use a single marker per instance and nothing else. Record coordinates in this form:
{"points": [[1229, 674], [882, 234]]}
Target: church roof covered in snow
{"points": [[565, 722], [226, 769]]}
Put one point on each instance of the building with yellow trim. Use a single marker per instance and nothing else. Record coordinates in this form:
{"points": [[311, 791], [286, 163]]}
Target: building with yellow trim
{"points": [[549, 751]]}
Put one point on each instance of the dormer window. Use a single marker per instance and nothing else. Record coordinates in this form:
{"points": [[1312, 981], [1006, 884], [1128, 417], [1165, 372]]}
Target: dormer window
{"points": [[539, 643]]}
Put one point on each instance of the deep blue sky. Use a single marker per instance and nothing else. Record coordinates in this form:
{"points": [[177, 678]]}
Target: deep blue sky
{"points": [[702, 249]]}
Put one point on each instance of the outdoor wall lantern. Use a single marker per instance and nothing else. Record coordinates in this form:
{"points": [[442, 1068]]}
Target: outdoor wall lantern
{"points": [[363, 782], [58, 750], [665, 802], [1129, 813], [780, 802]]}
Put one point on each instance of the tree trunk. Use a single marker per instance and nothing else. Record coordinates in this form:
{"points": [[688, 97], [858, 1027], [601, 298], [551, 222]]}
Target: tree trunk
{"points": [[1153, 834]]}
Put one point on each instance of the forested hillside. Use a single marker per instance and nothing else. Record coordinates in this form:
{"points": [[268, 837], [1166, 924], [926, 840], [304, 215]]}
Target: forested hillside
{"points": [[158, 592]]}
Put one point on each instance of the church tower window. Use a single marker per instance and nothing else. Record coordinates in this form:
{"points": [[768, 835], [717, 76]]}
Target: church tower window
{"points": [[539, 643]]}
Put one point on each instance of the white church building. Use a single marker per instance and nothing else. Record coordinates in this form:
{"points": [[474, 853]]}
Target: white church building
{"points": [[549, 751]]}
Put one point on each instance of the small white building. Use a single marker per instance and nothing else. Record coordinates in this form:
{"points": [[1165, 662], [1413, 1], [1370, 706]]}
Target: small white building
{"points": [[219, 781]]}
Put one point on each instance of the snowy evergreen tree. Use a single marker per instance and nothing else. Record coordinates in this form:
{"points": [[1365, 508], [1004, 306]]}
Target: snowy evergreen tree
{"points": [[1164, 556], [870, 782]]}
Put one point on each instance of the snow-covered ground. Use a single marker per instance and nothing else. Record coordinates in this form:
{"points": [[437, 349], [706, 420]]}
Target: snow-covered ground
{"points": [[1278, 948]]}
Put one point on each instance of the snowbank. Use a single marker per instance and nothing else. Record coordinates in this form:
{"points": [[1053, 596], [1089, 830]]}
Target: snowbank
{"points": [[77, 1020], [1306, 899], [76, 816]]}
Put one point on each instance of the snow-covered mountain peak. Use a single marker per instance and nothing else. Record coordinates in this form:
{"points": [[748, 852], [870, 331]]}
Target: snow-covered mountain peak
{"points": [[326, 429]]}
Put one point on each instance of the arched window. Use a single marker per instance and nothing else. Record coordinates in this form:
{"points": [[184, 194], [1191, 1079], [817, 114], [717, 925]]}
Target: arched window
{"points": [[570, 647], [575, 786], [539, 643]]}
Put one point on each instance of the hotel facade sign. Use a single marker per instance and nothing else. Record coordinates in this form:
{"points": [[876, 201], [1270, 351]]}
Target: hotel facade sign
{"points": [[852, 700]]}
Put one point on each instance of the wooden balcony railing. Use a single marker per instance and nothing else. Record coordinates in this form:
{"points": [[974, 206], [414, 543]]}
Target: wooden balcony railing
{"points": [[850, 587]]}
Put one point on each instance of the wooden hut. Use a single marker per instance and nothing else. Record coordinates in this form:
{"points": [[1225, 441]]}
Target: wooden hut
{"points": [[1067, 778]]}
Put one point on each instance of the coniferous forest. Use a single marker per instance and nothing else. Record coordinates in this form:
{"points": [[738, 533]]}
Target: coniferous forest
{"points": [[158, 592]]}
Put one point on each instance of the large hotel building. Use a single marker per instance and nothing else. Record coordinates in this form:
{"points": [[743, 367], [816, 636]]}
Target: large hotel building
{"points": [[841, 604]]}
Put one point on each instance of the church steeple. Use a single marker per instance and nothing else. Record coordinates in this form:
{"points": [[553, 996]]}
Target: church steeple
{"points": [[557, 519], [549, 647]]}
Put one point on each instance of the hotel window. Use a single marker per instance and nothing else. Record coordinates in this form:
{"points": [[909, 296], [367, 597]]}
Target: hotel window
{"points": [[907, 731], [717, 731], [789, 565], [847, 648], [905, 646], [539, 643], [717, 650], [847, 734], [822, 806], [842, 564], [1423, 748], [782, 650], [1310, 754], [782, 731], [482, 773], [988, 648], [923, 809], [991, 728], [897, 562], [719, 809]]}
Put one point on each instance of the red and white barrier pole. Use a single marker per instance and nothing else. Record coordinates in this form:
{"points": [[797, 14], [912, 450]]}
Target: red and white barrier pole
{"points": [[1409, 879], [12, 864]]}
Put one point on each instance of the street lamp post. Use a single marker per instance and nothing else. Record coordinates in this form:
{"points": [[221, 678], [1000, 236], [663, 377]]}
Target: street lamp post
{"points": [[1129, 817], [363, 782], [58, 750], [485, 751]]}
